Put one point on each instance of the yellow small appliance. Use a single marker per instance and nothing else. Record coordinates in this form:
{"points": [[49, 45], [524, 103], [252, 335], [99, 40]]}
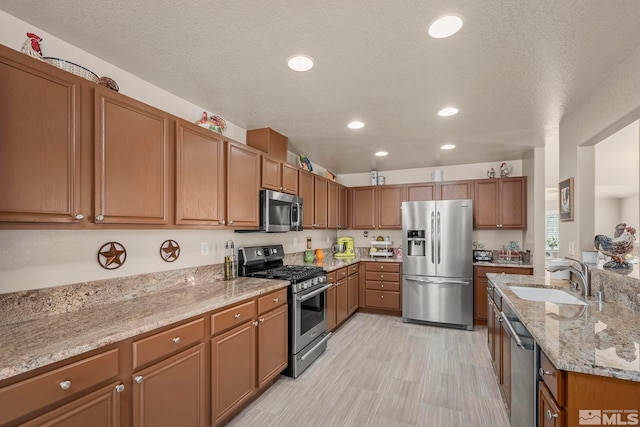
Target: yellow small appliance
{"points": [[345, 248]]}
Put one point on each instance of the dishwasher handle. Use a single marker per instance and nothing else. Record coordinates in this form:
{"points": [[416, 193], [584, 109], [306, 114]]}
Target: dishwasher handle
{"points": [[512, 332]]}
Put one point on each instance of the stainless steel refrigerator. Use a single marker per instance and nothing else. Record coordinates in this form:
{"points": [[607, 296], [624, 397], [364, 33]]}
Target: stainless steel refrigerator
{"points": [[437, 262]]}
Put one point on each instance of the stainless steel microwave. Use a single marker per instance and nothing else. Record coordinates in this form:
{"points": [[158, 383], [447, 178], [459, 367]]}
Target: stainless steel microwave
{"points": [[280, 212]]}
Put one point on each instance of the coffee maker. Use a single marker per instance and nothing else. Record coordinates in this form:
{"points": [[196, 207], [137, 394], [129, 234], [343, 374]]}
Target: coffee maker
{"points": [[344, 248]]}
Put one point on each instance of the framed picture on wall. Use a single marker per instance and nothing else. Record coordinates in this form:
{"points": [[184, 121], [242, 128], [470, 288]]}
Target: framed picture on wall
{"points": [[566, 206]]}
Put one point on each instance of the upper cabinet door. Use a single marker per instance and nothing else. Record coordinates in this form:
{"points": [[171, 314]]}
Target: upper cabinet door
{"points": [[306, 191], [320, 203], [455, 190], [39, 141], [199, 175], [421, 192], [363, 201], [332, 205], [243, 186], [271, 177], [513, 203], [289, 179], [131, 161], [342, 207], [485, 204], [390, 198]]}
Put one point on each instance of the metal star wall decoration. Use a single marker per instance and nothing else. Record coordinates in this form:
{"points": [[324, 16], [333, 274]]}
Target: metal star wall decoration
{"points": [[112, 255], [169, 250]]}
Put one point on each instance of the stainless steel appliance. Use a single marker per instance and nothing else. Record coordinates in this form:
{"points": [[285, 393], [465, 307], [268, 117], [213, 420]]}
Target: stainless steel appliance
{"points": [[524, 360], [307, 300], [437, 265], [280, 212]]}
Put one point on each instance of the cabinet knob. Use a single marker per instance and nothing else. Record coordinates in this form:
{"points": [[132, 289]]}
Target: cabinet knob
{"points": [[551, 415], [138, 379], [120, 388], [382, 286], [237, 316], [100, 218], [176, 340], [230, 222], [262, 319], [276, 299], [542, 372], [223, 222], [255, 323], [79, 217], [382, 276], [65, 385], [382, 267], [381, 296]]}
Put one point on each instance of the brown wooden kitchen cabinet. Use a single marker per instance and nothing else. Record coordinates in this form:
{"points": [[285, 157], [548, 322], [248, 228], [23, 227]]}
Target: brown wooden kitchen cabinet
{"points": [[421, 192], [343, 219], [269, 141], [40, 149], [278, 176], [444, 190], [306, 191], [172, 392], [272, 343], [342, 296], [333, 201], [480, 284], [499, 348], [331, 301], [132, 157], [352, 289], [382, 286], [200, 176], [377, 207], [76, 380], [243, 186], [320, 188], [500, 203]]}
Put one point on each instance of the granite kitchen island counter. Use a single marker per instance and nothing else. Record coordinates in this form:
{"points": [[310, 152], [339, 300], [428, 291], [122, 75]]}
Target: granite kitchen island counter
{"points": [[599, 338]]}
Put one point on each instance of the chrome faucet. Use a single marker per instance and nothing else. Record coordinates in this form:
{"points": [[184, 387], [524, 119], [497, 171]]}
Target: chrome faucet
{"points": [[582, 274]]}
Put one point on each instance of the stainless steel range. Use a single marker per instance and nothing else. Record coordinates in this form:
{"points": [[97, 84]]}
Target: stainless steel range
{"points": [[307, 300]]}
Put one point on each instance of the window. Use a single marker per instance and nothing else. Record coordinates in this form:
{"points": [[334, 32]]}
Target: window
{"points": [[551, 230]]}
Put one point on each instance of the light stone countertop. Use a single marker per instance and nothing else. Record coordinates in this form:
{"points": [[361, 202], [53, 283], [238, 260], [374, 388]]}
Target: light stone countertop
{"points": [[498, 264], [599, 339], [31, 344]]}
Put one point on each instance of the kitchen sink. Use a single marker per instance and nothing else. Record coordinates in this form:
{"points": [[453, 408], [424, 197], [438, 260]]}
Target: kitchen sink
{"points": [[555, 296]]}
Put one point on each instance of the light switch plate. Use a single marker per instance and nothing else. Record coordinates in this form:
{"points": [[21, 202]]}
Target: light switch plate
{"points": [[571, 249], [204, 248]]}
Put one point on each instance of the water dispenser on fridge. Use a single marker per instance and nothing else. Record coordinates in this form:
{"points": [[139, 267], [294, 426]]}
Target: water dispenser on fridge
{"points": [[416, 243]]}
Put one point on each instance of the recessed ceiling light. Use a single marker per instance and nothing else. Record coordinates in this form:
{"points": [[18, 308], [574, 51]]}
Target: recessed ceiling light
{"points": [[448, 147], [449, 111], [445, 26], [300, 63], [355, 125], [381, 153]]}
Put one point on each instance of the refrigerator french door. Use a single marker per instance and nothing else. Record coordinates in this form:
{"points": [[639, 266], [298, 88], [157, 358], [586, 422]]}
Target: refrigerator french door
{"points": [[437, 264]]}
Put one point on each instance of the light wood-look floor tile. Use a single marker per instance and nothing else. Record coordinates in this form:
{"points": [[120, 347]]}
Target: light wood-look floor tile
{"points": [[379, 371]]}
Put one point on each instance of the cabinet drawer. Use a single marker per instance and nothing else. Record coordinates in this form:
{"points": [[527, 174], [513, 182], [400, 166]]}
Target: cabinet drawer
{"points": [[332, 277], [342, 273], [382, 286], [553, 378], [382, 299], [29, 395], [233, 316], [383, 266], [382, 276], [272, 300], [161, 344], [352, 269]]}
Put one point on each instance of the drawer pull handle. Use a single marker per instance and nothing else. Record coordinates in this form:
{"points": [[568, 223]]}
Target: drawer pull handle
{"points": [[551, 415], [120, 388], [542, 372], [65, 385], [138, 379], [238, 316], [176, 340], [276, 299]]}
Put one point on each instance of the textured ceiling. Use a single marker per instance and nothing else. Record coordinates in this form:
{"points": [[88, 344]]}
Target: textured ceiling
{"points": [[513, 70]]}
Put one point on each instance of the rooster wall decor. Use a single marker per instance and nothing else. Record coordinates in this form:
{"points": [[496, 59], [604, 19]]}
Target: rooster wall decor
{"points": [[622, 243]]}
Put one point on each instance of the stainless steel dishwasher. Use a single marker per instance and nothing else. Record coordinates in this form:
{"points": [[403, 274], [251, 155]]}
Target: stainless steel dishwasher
{"points": [[524, 362]]}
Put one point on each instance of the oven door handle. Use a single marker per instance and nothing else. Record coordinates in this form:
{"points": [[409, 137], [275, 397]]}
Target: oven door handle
{"points": [[312, 294]]}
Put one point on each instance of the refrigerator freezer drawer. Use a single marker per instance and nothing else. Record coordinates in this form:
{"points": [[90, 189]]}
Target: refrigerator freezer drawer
{"points": [[438, 300]]}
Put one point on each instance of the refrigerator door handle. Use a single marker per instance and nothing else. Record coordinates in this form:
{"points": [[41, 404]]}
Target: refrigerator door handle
{"points": [[437, 282], [433, 239], [439, 237]]}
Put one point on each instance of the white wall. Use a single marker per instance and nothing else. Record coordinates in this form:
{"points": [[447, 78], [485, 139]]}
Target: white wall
{"points": [[607, 215], [630, 212]]}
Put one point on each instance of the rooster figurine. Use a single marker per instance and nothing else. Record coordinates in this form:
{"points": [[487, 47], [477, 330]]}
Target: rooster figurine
{"points": [[31, 46], [622, 243]]}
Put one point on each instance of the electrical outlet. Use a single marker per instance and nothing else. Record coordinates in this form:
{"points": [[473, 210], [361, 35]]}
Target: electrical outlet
{"points": [[328, 240], [571, 249], [204, 248], [295, 241]]}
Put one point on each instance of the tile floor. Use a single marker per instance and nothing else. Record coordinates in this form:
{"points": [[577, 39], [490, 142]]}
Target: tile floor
{"points": [[379, 371]]}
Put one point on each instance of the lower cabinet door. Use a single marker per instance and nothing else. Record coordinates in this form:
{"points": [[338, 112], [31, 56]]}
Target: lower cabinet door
{"points": [[331, 307], [342, 297], [172, 392], [98, 409], [549, 413], [353, 290], [272, 344], [233, 369]]}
